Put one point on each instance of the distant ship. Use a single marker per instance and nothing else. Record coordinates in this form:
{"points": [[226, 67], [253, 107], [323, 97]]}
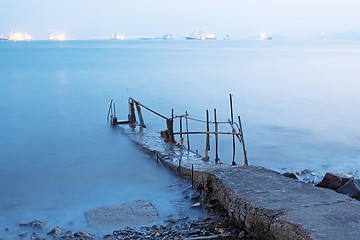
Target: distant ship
{"points": [[199, 36], [3, 38], [227, 37], [117, 37], [210, 37], [169, 36], [19, 37], [51, 37], [269, 38]]}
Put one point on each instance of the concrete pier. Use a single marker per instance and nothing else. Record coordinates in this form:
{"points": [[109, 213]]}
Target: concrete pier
{"points": [[267, 204]]}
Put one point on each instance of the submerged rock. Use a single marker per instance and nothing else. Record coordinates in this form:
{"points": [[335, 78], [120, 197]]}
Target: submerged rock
{"points": [[334, 180], [351, 188], [292, 174], [126, 214], [56, 232], [34, 224], [84, 235]]}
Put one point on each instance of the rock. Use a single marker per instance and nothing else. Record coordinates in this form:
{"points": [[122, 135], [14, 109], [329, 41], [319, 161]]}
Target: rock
{"points": [[56, 232], [108, 237], [292, 174], [195, 197], [334, 180], [34, 224], [84, 235], [213, 237], [241, 235], [126, 214], [351, 188], [196, 205]]}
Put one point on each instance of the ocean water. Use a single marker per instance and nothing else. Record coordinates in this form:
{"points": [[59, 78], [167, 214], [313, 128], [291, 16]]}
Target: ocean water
{"points": [[298, 101]]}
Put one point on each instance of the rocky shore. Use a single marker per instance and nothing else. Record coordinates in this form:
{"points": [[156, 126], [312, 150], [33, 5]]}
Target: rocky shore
{"points": [[216, 226]]}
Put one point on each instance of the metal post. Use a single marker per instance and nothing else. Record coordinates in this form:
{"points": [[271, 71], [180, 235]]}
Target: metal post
{"points": [[187, 131], [216, 138], [233, 137], [243, 142], [140, 114]]}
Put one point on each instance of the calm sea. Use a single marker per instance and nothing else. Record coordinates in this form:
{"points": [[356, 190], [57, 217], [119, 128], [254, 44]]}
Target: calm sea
{"points": [[299, 103]]}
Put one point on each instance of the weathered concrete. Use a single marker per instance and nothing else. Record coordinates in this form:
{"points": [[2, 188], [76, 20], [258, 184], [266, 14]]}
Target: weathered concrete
{"points": [[269, 205]]}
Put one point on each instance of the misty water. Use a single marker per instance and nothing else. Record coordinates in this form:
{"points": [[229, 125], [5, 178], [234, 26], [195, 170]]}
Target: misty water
{"points": [[299, 104]]}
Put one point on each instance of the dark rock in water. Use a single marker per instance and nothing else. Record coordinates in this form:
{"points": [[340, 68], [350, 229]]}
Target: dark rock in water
{"points": [[351, 188], [334, 180], [56, 232], [84, 235], [34, 224], [293, 174]]}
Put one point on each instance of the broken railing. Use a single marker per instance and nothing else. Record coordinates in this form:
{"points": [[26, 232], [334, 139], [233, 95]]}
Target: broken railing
{"points": [[169, 134]]}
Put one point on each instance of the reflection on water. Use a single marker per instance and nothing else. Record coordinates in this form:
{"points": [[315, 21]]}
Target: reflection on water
{"points": [[298, 103]]}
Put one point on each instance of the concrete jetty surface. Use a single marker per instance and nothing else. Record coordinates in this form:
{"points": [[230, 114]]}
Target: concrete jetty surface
{"points": [[267, 204]]}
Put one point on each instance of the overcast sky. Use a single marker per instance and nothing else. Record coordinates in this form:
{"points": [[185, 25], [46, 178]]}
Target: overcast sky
{"points": [[82, 19]]}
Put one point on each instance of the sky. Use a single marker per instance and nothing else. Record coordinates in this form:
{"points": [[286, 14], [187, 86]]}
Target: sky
{"points": [[86, 19]]}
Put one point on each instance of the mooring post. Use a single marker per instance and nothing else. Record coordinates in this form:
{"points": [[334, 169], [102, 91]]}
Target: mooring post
{"points": [[140, 114], [187, 131], [216, 138], [243, 142], [131, 117], [181, 137], [233, 136]]}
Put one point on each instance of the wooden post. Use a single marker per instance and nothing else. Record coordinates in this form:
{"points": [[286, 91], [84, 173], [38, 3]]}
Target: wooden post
{"points": [[170, 129], [181, 137], [207, 130], [207, 147], [216, 138], [243, 142], [233, 137], [187, 131], [140, 114], [113, 117], [132, 117], [192, 175]]}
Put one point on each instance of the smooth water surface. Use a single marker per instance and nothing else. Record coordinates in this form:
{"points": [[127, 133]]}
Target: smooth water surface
{"points": [[298, 102]]}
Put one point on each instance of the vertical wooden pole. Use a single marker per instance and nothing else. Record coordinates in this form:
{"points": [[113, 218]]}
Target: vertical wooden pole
{"points": [[139, 114], [181, 137], [187, 131], [170, 129], [207, 147], [132, 117], [243, 142], [216, 138], [233, 136], [192, 175]]}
